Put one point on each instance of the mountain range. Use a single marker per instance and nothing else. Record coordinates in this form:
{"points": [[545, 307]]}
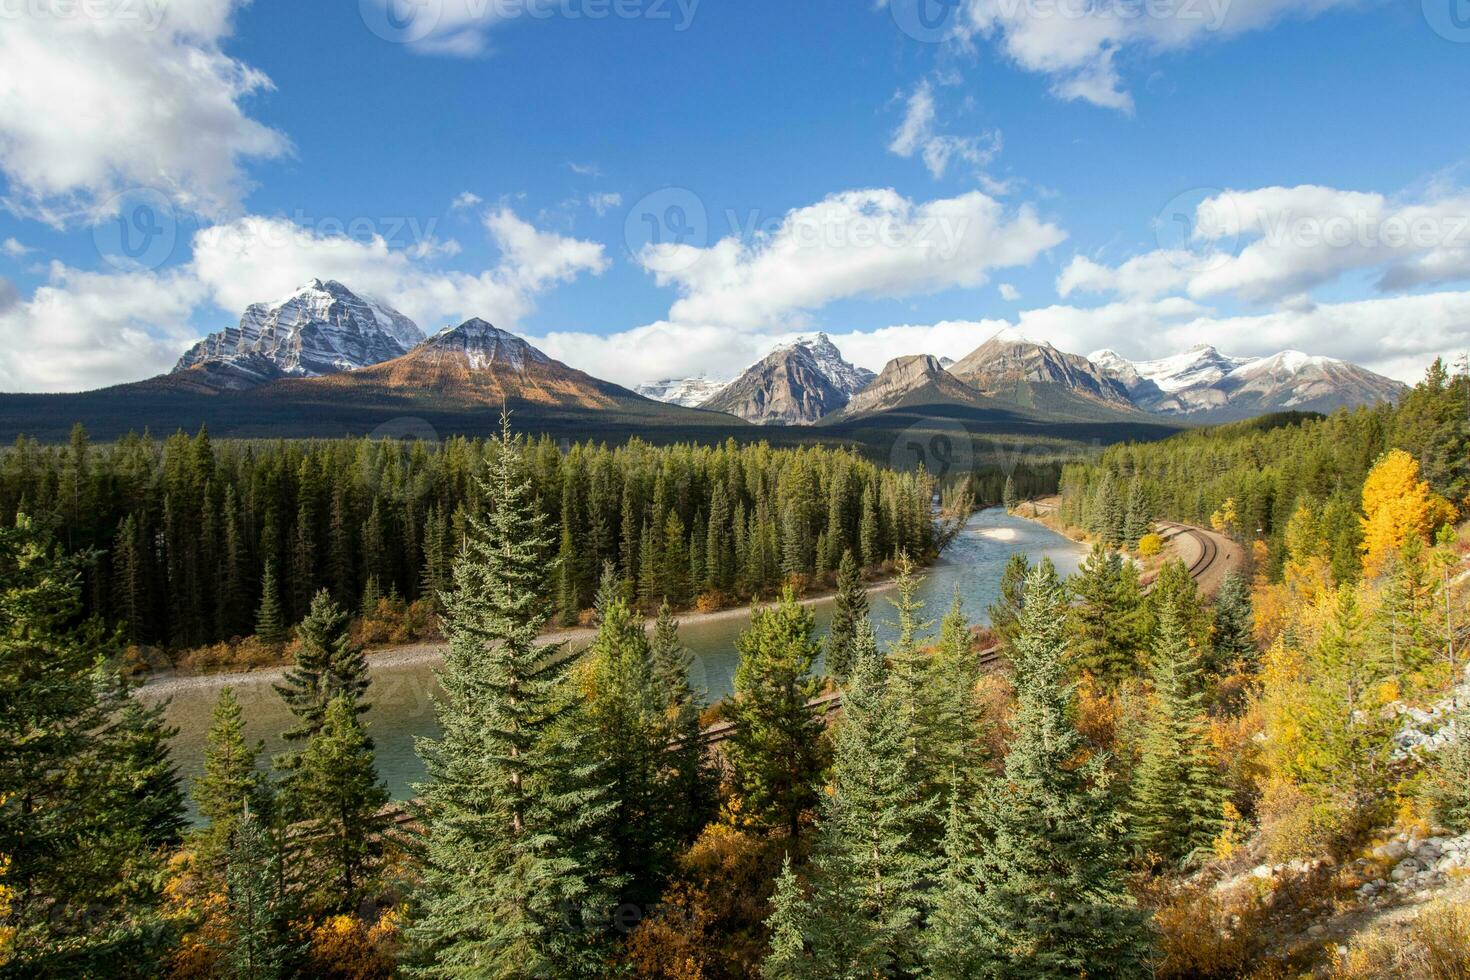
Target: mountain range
{"points": [[328, 361]]}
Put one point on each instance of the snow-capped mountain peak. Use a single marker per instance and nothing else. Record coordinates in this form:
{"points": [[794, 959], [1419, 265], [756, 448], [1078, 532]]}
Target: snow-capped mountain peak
{"points": [[685, 392], [321, 328], [843, 375]]}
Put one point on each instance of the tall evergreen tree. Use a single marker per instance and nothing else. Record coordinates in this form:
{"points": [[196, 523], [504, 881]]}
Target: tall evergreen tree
{"points": [[231, 781], [870, 863], [1052, 898], [270, 621], [1177, 794], [776, 750], [328, 664], [1008, 496], [1005, 612], [1104, 618], [695, 782], [338, 799], [1234, 633], [849, 607], [257, 949], [512, 886], [1449, 777]]}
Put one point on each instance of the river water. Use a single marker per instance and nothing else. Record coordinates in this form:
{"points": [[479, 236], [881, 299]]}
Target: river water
{"points": [[402, 694]]}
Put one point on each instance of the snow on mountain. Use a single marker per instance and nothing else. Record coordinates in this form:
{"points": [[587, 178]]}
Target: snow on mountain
{"points": [[322, 328], [1202, 379], [686, 392], [796, 384]]}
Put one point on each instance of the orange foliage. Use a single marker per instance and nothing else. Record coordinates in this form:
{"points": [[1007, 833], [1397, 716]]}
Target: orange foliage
{"points": [[1398, 505], [344, 947]]}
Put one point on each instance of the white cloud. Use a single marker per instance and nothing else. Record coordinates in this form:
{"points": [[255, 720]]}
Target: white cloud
{"points": [[1076, 42], [862, 243], [91, 106], [257, 259], [466, 199], [14, 248], [585, 169], [1295, 239], [85, 330], [1009, 293], [657, 350], [603, 203], [917, 134]]}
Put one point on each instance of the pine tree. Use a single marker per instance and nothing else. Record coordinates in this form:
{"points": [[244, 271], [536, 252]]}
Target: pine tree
{"points": [[230, 782], [1104, 618], [1005, 612], [1052, 900], [257, 949], [512, 883], [1138, 516], [270, 622], [950, 722], [1234, 634], [629, 727], [788, 959], [870, 863], [328, 664], [338, 798], [951, 952], [695, 782], [1449, 777], [776, 750], [86, 792], [1177, 794], [869, 531], [849, 607], [1008, 495]]}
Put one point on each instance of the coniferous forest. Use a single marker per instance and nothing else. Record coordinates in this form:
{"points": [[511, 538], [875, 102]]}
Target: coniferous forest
{"points": [[1122, 777]]}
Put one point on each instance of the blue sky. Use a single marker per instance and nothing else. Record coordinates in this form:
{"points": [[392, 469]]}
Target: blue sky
{"points": [[1029, 166]]}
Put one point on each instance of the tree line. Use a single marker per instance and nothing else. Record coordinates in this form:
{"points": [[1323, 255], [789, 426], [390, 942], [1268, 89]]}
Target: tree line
{"points": [[194, 541]]}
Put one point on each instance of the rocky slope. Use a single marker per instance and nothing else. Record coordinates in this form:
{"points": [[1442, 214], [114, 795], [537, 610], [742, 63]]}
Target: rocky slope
{"points": [[798, 384], [1213, 386], [906, 381], [322, 328], [1008, 364]]}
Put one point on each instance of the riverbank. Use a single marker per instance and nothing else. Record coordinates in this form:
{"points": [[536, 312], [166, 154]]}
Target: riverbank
{"points": [[431, 652]]}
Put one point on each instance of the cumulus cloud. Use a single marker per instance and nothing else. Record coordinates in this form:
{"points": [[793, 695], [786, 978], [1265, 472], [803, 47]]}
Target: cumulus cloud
{"points": [[862, 243], [466, 199], [1276, 244], [603, 203], [1077, 42], [86, 330], [91, 106], [13, 248], [257, 258], [1009, 293], [918, 134]]}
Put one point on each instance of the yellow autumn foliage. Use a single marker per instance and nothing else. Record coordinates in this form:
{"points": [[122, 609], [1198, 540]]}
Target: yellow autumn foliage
{"points": [[7, 895], [1398, 505]]}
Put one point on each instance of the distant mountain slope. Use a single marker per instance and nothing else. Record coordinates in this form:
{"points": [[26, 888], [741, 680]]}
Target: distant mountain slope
{"points": [[919, 379], [322, 328], [1008, 363], [688, 392], [794, 385], [1209, 386]]}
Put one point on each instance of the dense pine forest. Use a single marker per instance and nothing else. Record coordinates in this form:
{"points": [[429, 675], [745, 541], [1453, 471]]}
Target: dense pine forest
{"points": [[1151, 782], [192, 541]]}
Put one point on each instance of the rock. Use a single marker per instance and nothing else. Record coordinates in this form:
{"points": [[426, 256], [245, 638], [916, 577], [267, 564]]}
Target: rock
{"points": [[1405, 870], [1317, 931], [1427, 851], [1261, 871], [1394, 850]]}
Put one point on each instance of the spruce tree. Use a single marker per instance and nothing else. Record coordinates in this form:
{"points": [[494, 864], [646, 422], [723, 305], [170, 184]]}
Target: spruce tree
{"points": [[870, 862], [849, 607], [776, 750], [1052, 898], [1005, 612], [512, 883], [270, 621], [950, 722], [1104, 618], [1177, 794], [695, 781], [338, 799], [230, 782], [328, 664], [629, 727], [255, 910], [1449, 776], [1008, 495], [1234, 634], [790, 912], [87, 795], [951, 952]]}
